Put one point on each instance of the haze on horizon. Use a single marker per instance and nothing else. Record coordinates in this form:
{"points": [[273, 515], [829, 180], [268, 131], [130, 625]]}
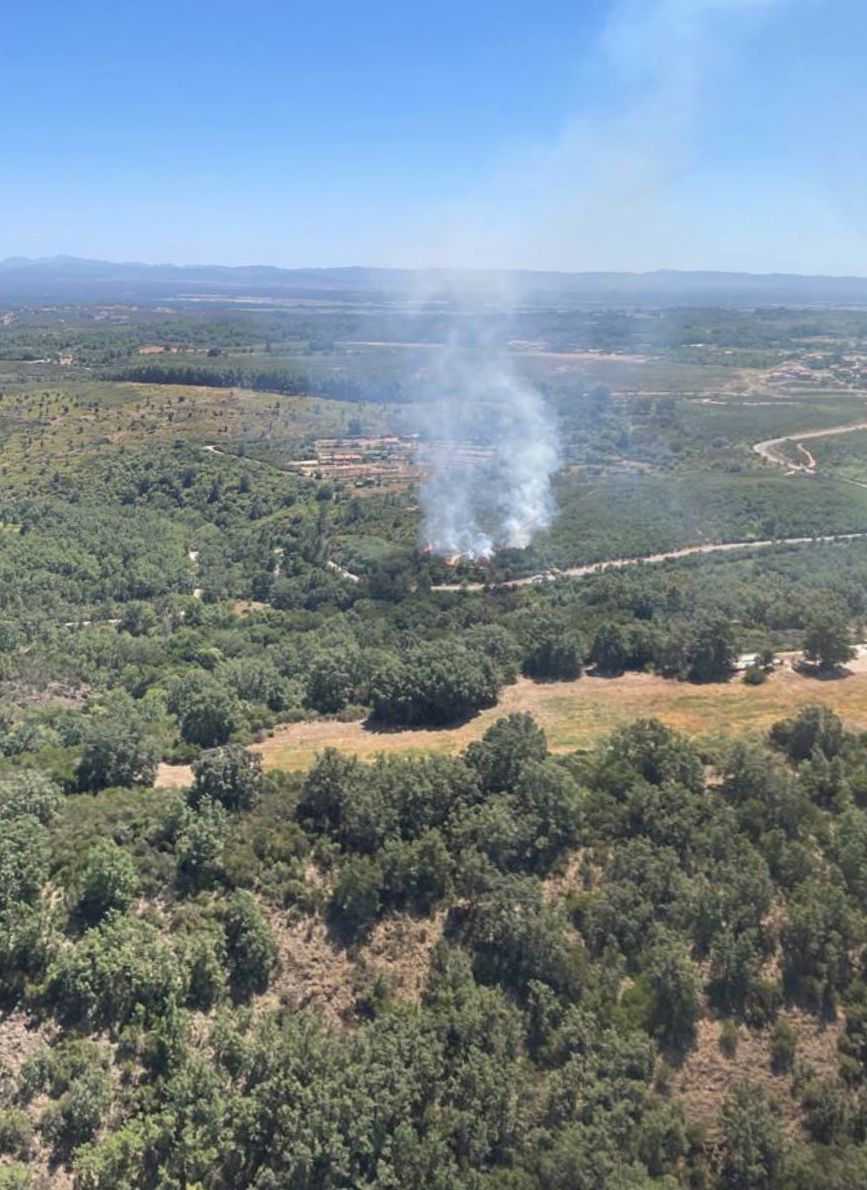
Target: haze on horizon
{"points": [[607, 135]]}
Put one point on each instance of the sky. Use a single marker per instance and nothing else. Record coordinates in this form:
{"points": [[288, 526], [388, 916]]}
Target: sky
{"points": [[593, 134]]}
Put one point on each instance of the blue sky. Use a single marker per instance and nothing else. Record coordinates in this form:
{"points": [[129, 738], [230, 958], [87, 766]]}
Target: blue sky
{"points": [[583, 135]]}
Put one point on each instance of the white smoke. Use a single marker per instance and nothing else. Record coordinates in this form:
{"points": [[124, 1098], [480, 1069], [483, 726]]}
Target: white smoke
{"points": [[596, 195], [490, 449]]}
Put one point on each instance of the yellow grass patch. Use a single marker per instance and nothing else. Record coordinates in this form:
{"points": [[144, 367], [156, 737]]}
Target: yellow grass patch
{"points": [[576, 714]]}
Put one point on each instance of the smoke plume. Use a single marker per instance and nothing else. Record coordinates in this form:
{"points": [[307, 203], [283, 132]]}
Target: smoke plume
{"points": [[490, 447], [596, 195]]}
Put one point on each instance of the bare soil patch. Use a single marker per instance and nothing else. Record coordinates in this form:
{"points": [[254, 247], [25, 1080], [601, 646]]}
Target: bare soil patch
{"points": [[707, 1076]]}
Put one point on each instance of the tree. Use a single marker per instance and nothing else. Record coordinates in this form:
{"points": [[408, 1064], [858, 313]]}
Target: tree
{"points": [[208, 713], [827, 640], [229, 775], [250, 948], [23, 860], [554, 652], [814, 728], [117, 751], [109, 883], [330, 784], [437, 683], [754, 1148], [357, 896], [330, 683], [503, 751], [712, 652], [610, 651], [818, 938], [26, 791], [676, 986], [119, 968], [657, 753]]}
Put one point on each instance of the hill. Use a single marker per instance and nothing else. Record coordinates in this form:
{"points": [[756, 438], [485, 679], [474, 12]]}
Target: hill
{"points": [[72, 279]]}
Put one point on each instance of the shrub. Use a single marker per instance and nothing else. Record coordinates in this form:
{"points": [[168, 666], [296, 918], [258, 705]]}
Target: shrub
{"points": [[728, 1039], [109, 882], [251, 952], [357, 896], [16, 1132]]}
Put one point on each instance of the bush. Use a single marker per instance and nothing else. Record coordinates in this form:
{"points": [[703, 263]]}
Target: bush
{"points": [[251, 952], [16, 1132], [109, 882], [357, 896], [728, 1039]]}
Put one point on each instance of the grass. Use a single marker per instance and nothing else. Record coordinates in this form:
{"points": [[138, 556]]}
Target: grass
{"points": [[577, 714], [52, 428]]}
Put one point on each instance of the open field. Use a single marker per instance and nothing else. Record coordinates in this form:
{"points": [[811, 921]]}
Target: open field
{"points": [[577, 714]]}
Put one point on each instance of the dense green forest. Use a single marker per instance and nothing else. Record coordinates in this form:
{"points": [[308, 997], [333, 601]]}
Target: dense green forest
{"points": [[511, 966]]}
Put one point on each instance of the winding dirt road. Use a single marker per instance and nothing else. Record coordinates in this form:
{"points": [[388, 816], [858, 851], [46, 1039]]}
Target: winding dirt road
{"points": [[772, 450]]}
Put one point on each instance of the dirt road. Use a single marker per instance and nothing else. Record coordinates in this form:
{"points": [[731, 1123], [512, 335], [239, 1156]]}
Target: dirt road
{"points": [[650, 560], [772, 448]]}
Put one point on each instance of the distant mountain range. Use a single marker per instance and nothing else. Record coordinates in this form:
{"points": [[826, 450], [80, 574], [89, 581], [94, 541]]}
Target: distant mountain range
{"points": [[69, 279]]}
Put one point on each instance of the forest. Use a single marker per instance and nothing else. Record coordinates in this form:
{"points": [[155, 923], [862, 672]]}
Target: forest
{"points": [[514, 965]]}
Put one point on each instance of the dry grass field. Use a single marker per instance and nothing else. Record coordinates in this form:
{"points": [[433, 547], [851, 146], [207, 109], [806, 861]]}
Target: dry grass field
{"points": [[576, 714]]}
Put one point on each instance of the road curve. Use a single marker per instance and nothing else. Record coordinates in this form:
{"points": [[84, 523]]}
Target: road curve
{"points": [[771, 448]]}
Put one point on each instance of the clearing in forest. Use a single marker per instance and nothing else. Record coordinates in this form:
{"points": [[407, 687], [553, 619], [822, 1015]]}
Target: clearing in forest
{"points": [[577, 714]]}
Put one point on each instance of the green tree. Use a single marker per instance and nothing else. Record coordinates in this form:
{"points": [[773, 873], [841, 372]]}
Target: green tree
{"points": [[712, 651], [199, 837], [554, 652], [117, 751], [251, 952], [209, 713], [610, 652], [676, 986], [229, 775], [357, 896], [754, 1147], [330, 683], [504, 750], [109, 882], [828, 640], [814, 728]]}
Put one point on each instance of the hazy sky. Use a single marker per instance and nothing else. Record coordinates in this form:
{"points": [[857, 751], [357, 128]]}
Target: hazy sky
{"points": [[582, 135]]}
